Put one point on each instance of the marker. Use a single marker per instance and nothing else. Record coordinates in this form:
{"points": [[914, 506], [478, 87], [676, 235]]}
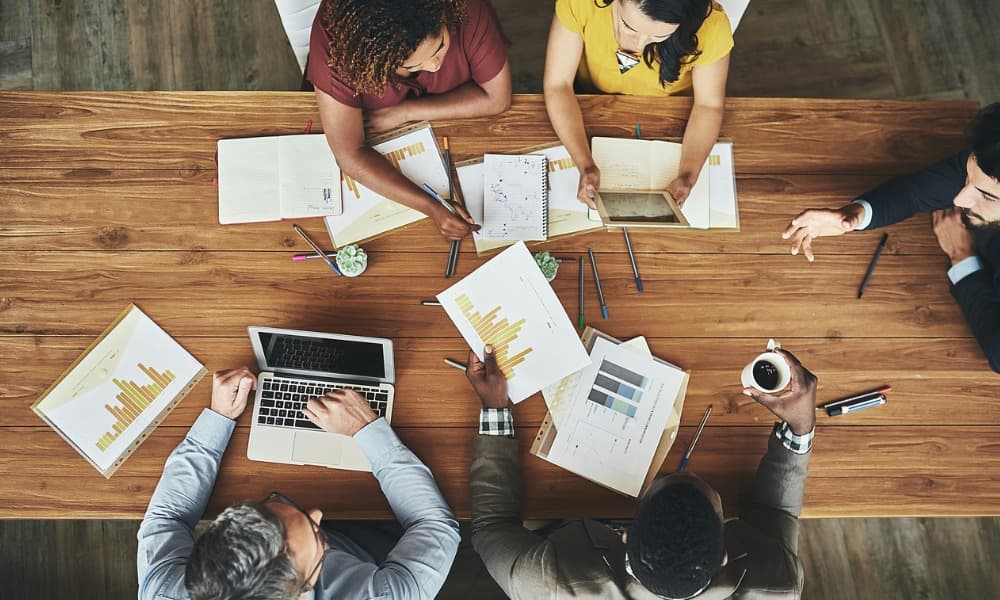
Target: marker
{"points": [[871, 265], [863, 396], [694, 440], [318, 250], [456, 245], [849, 408], [449, 269], [580, 321], [597, 282], [430, 303], [454, 363], [638, 132], [631, 257]]}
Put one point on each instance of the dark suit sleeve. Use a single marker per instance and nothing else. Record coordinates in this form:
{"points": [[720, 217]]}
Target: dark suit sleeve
{"points": [[498, 532], [930, 189], [775, 498], [977, 295]]}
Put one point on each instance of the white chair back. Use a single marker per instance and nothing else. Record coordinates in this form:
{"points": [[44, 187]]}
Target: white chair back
{"points": [[297, 18], [734, 10]]}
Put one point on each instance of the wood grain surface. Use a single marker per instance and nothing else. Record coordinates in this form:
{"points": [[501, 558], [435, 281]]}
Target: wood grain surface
{"points": [[108, 198]]}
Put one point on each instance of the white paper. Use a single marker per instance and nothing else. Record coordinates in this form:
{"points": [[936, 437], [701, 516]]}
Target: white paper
{"points": [[721, 173], [248, 180], [697, 207], [614, 445], [309, 176], [514, 197], [507, 303]]}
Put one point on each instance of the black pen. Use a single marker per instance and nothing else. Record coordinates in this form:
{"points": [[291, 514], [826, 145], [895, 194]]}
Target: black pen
{"points": [[597, 282], [871, 266], [580, 299], [855, 398]]}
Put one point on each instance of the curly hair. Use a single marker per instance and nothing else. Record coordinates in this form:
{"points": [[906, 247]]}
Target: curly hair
{"points": [[370, 39], [682, 46]]}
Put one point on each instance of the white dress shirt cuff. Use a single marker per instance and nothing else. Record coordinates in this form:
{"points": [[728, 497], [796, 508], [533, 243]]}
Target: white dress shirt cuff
{"points": [[378, 441], [964, 268], [212, 430], [866, 219]]}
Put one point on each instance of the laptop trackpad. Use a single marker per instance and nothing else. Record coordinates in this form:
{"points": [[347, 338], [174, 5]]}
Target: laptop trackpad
{"points": [[317, 448]]}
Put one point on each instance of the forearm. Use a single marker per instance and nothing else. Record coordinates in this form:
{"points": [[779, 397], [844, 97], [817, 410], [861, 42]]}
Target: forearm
{"points": [[564, 112], [464, 102], [371, 169], [699, 137], [779, 484], [980, 303]]}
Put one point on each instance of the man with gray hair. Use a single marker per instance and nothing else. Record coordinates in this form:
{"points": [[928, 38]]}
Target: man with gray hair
{"points": [[274, 549]]}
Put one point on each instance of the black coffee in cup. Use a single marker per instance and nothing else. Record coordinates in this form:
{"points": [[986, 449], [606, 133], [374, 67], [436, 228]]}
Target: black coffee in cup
{"points": [[766, 374]]}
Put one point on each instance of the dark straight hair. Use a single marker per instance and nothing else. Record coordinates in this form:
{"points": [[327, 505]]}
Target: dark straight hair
{"points": [[985, 134], [682, 46]]}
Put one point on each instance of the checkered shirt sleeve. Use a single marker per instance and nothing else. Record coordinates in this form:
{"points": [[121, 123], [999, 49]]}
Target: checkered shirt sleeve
{"points": [[799, 444], [496, 421]]}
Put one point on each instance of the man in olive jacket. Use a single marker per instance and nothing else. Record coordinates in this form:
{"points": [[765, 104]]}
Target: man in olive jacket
{"points": [[677, 545]]}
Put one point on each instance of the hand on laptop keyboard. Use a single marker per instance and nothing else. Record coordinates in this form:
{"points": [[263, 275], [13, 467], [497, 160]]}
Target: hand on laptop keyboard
{"points": [[341, 411]]}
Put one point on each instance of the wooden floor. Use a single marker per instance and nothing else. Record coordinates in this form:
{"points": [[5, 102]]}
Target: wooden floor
{"points": [[806, 48]]}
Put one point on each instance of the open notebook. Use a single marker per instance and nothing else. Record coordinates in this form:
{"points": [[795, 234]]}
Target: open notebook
{"points": [[277, 177], [515, 197]]}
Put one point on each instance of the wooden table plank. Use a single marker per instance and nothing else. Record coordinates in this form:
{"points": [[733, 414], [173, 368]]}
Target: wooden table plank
{"points": [[126, 209], [928, 376], [905, 471], [178, 130], [717, 295]]}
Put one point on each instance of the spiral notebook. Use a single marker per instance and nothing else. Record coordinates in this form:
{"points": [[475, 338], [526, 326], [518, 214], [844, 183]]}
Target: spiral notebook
{"points": [[516, 197]]}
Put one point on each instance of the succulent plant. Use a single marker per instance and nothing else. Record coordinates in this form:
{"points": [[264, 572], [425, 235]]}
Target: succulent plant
{"points": [[352, 260], [547, 263]]}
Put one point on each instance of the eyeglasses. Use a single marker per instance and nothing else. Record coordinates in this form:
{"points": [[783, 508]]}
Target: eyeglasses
{"points": [[317, 531], [628, 569]]}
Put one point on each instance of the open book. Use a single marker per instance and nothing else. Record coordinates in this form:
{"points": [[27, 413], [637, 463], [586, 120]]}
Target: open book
{"points": [[278, 177]]}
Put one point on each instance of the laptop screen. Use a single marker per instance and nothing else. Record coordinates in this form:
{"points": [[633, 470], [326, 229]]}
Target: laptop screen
{"points": [[323, 355]]}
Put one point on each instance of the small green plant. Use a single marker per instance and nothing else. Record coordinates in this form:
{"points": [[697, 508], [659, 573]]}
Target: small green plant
{"points": [[547, 263], [352, 260]]}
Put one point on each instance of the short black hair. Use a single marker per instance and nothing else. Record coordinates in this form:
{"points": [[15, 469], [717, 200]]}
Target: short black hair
{"points": [[675, 544], [985, 133]]}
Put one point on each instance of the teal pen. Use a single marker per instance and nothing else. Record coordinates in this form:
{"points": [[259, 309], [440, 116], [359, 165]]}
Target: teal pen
{"points": [[694, 440], [597, 282]]}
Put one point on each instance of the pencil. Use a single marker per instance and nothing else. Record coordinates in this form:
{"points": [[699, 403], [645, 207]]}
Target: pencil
{"points": [[871, 265], [319, 251], [430, 303], [694, 440], [456, 245], [631, 257], [454, 363], [597, 282], [313, 255], [580, 296]]}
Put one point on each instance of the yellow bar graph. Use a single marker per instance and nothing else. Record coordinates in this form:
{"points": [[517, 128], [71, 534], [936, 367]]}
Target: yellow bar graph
{"points": [[399, 154], [352, 186], [497, 331], [561, 164], [133, 400]]}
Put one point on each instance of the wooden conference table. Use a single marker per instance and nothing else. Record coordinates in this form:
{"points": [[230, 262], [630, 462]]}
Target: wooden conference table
{"points": [[108, 198]]}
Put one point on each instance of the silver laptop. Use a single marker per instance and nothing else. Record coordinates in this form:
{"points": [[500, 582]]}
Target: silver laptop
{"points": [[298, 365]]}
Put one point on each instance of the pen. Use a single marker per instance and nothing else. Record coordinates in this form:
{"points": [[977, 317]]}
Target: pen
{"points": [[597, 282], [694, 440], [849, 408], [430, 303], [455, 244], [862, 396], [322, 254], [454, 363], [580, 321], [631, 257], [313, 255], [871, 265]]}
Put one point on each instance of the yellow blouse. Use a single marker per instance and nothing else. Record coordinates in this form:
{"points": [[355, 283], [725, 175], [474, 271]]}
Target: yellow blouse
{"points": [[599, 63]]}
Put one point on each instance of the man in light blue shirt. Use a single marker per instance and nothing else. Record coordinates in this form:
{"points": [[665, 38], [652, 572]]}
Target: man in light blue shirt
{"points": [[272, 548]]}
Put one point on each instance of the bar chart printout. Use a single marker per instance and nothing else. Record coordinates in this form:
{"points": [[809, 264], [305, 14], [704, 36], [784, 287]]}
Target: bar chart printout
{"points": [[617, 388], [508, 304], [120, 387]]}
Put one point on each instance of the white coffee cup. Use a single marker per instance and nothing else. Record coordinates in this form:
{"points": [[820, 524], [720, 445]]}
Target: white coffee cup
{"points": [[776, 361]]}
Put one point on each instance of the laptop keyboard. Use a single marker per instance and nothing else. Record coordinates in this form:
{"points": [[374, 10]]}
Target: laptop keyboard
{"points": [[282, 400]]}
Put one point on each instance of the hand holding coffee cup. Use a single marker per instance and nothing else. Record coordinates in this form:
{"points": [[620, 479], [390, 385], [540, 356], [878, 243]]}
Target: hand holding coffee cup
{"points": [[797, 406]]}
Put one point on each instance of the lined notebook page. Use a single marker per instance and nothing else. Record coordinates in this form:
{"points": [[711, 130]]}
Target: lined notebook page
{"points": [[515, 203]]}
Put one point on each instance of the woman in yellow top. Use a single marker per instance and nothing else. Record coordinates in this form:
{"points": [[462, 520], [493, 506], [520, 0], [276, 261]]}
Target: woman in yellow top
{"points": [[641, 48]]}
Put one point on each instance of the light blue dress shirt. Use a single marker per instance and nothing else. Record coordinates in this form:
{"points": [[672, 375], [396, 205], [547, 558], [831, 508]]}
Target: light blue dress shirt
{"points": [[415, 568], [956, 273]]}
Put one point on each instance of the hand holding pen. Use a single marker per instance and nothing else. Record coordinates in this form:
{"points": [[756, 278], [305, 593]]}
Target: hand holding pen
{"points": [[450, 218]]}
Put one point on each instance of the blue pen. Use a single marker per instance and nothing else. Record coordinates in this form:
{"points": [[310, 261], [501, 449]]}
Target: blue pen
{"points": [[438, 197], [694, 440], [597, 282], [318, 250]]}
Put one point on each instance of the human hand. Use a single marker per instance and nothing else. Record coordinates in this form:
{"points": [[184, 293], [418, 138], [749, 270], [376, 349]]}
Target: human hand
{"points": [[590, 182], [230, 390], [486, 378], [952, 234], [679, 189], [820, 222], [450, 226], [342, 411], [797, 406], [384, 119]]}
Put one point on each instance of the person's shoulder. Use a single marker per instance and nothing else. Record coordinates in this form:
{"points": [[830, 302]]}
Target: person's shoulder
{"points": [[716, 30], [576, 11]]}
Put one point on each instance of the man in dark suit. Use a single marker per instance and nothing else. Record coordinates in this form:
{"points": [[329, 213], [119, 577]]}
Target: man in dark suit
{"points": [[677, 545], [964, 193]]}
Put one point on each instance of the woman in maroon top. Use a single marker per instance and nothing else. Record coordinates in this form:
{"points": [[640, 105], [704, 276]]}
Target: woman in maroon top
{"points": [[388, 62]]}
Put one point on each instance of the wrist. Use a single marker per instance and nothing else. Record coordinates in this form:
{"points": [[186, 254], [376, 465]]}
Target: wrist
{"points": [[224, 413], [957, 257], [854, 212], [802, 426]]}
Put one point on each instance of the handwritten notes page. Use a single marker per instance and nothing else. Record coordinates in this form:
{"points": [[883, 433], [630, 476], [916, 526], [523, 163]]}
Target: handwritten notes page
{"points": [[515, 202]]}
